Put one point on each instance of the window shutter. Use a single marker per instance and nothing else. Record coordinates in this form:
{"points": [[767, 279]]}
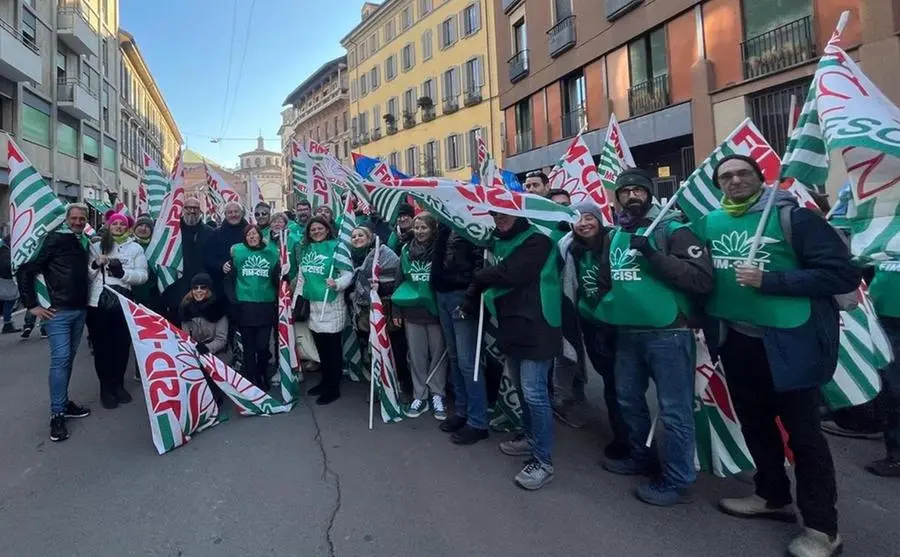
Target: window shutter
{"points": [[437, 156], [453, 28], [412, 54], [477, 16], [480, 74], [455, 78], [447, 161]]}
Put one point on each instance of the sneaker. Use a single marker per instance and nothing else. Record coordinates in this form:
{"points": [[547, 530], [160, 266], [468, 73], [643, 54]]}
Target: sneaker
{"points": [[417, 408], [570, 414], [9, 328], [453, 425], [108, 401], [468, 435], [58, 431], [518, 446], [44, 334], [755, 506], [74, 411], [276, 380], [630, 467], [812, 543], [327, 398], [26, 332], [534, 475], [663, 494], [886, 468], [439, 411], [122, 396]]}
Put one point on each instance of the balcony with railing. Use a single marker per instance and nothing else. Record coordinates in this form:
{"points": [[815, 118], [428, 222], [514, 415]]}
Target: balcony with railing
{"points": [[649, 96], [524, 140], [409, 119], [77, 98], [19, 56], [510, 4], [376, 134], [778, 49], [518, 66], [562, 36], [472, 95], [309, 108], [430, 167], [75, 30], [572, 122], [428, 113], [364, 138], [617, 8], [450, 104]]}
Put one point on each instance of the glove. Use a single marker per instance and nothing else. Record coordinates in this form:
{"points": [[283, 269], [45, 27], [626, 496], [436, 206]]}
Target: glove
{"points": [[642, 244], [115, 268], [202, 349]]}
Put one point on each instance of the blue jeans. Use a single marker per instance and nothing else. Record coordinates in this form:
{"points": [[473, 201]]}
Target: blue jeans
{"points": [[462, 338], [530, 378], [7, 310], [64, 332], [668, 358], [891, 394]]}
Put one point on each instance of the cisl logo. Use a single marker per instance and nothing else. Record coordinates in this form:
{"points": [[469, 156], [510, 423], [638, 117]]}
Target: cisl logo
{"points": [[590, 281], [313, 263], [256, 266], [420, 271], [624, 265], [734, 248]]}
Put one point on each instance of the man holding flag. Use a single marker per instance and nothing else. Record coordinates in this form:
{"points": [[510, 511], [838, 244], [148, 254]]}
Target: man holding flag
{"points": [[780, 344]]}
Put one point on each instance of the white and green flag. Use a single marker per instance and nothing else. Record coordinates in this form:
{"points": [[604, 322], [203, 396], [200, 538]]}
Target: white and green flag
{"points": [[288, 360], [343, 258], [164, 253], [577, 174], [354, 367], [384, 372], [156, 183], [615, 156]]}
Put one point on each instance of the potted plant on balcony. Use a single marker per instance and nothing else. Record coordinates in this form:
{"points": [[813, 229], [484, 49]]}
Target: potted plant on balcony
{"points": [[390, 122], [425, 103]]}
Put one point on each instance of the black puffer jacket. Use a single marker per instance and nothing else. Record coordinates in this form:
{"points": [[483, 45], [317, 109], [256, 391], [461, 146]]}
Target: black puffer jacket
{"points": [[64, 263], [195, 241], [5, 262], [456, 260]]}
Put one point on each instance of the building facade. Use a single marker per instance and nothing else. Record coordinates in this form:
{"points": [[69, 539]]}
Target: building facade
{"points": [[679, 75], [266, 168], [146, 124], [423, 82], [59, 94], [317, 109], [195, 175]]}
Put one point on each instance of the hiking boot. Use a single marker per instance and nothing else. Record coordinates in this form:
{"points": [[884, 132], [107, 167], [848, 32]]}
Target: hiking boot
{"points": [[832, 428], [74, 411], [570, 414], [812, 543], [518, 446], [108, 401], [630, 467], [26, 332], [663, 494], [617, 450], [886, 468], [417, 408], [122, 396], [534, 475], [9, 328], [316, 391], [327, 398], [58, 431], [468, 435], [755, 506], [439, 411], [453, 425]]}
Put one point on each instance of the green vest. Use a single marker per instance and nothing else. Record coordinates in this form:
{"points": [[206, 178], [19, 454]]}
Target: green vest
{"points": [[253, 272], [885, 289], [730, 239], [415, 290], [551, 292], [315, 263], [589, 297], [637, 298]]}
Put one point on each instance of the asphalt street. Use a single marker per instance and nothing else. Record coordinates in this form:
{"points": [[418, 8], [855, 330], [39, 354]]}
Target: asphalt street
{"points": [[317, 482]]}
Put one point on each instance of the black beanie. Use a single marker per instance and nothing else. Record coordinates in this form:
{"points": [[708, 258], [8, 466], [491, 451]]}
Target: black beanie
{"points": [[405, 209], [202, 279], [749, 160], [635, 177]]}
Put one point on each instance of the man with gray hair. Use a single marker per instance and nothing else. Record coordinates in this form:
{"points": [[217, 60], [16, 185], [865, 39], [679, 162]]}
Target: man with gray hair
{"points": [[63, 261], [195, 240]]}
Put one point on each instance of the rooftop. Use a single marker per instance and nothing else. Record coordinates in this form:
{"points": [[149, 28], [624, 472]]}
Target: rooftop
{"points": [[309, 82]]}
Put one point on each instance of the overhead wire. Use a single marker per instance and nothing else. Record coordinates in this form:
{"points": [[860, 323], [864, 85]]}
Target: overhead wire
{"points": [[240, 68], [230, 60]]}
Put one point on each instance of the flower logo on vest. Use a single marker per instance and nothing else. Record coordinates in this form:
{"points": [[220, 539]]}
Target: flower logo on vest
{"points": [[313, 263], [590, 281], [420, 271], [256, 266], [734, 248], [624, 265]]}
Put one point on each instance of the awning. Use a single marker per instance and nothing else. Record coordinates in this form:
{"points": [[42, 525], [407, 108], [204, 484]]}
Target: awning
{"points": [[100, 206]]}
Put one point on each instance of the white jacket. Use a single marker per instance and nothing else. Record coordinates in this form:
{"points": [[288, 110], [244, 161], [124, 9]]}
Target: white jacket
{"points": [[134, 263], [334, 317]]}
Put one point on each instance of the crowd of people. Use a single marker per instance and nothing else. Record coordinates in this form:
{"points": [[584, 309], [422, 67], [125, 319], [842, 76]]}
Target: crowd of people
{"points": [[616, 297]]}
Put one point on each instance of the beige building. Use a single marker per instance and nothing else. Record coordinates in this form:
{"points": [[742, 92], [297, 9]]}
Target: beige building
{"points": [[264, 166], [59, 94], [146, 124]]}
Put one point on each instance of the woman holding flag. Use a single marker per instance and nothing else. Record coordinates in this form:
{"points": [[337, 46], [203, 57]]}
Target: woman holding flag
{"points": [[362, 249], [328, 310]]}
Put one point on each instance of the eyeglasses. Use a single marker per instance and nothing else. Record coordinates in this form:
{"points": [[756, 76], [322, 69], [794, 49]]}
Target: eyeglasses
{"points": [[260, 214], [192, 209], [741, 174]]}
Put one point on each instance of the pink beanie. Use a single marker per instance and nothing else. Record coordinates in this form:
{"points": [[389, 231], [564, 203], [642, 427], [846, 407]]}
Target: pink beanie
{"points": [[113, 217]]}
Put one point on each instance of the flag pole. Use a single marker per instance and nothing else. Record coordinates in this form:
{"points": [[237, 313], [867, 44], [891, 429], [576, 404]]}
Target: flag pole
{"points": [[662, 212], [770, 202], [436, 366], [371, 371], [480, 330], [325, 301]]}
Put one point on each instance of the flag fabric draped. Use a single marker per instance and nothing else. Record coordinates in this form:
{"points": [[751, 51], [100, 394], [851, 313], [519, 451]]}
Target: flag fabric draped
{"points": [[219, 192], [721, 448], [254, 198], [354, 368], [507, 414], [577, 174], [142, 204], [288, 360], [164, 253], [489, 172], [156, 184], [615, 156], [343, 258], [383, 370]]}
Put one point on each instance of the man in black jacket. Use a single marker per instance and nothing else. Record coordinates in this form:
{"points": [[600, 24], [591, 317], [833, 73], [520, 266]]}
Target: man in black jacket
{"points": [[455, 262], [195, 240], [6, 276], [63, 261], [521, 289]]}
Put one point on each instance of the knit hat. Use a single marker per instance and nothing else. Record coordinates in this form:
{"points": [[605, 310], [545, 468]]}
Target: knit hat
{"points": [[749, 160], [405, 209], [144, 220], [112, 216], [586, 207], [635, 177], [202, 279]]}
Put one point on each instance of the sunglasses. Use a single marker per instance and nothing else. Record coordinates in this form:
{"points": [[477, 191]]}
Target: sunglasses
{"points": [[742, 174], [261, 214], [200, 287]]}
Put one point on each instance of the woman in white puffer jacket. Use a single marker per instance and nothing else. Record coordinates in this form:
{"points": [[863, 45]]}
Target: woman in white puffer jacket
{"points": [[119, 262]]}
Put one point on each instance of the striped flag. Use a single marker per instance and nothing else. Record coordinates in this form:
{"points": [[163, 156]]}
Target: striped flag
{"points": [[254, 198], [164, 253], [577, 174], [142, 204], [387, 200], [156, 183], [343, 260], [507, 414], [219, 191], [699, 195], [288, 360], [491, 175], [615, 156], [383, 369], [354, 369]]}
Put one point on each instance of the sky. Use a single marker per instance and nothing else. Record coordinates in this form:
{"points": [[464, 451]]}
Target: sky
{"points": [[187, 46]]}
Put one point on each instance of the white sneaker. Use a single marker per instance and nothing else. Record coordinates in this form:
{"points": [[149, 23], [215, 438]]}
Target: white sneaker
{"points": [[417, 408], [812, 543], [438, 408], [755, 506]]}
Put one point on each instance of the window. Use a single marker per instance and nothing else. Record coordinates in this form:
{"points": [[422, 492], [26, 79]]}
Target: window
{"points": [[105, 105], [376, 118], [364, 123], [424, 7], [36, 125], [351, 59], [391, 107], [91, 148], [562, 9], [409, 101], [390, 67], [394, 159], [374, 78], [770, 110], [346, 149], [390, 31], [104, 53], [474, 77], [448, 32], [520, 36], [472, 144], [426, 45], [363, 85], [761, 16], [573, 101], [355, 128], [61, 64], [471, 15], [454, 157], [29, 28], [373, 43], [408, 57], [523, 125], [412, 159], [432, 155], [336, 128], [363, 51], [256, 162], [346, 114], [428, 89], [647, 56], [451, 83], [406, 18]]}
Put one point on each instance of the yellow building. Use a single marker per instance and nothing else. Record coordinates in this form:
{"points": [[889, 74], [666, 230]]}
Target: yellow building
{"points": [[423, 79]]}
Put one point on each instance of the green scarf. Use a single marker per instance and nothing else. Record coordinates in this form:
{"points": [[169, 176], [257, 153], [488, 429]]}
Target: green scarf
{"points": [[121, 239], [738, 208]]}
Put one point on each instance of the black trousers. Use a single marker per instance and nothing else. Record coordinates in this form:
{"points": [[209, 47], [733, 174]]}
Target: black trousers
{"points": [[400, 348], [255, 341], [112, 346], [600, 345], [757, 404], [331, 358]]}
